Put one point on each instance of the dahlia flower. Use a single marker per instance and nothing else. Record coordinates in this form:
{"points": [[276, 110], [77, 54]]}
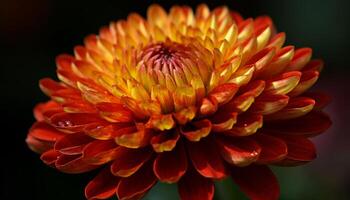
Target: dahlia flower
{"points": [[181, 97]]}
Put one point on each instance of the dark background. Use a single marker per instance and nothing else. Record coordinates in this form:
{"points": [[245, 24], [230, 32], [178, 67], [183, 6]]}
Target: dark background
{"points": [[33, 32]]}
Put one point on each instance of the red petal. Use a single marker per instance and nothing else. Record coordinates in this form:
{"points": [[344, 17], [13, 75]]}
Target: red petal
{"points": [[165, 141], [193, 186], [73, 122], [50, 157], [103, 186], [206, 159], [262, 58], [239, 104], [73, 144], [41, 108], [311, 124], [49, 86], [239, 151], [73, 164], [137, 185], [301, 57], [277, 41], [307, 80], [100, 152], [38, 146], [45, 132], [133, 137], [272, 149], [208, 106], [223, 121], [128, 161], [322, 100], [202, 130], [171, 166], [283, 83], [316, 64], [105, 132], [255, 88], [300, 150], [257, 182]]}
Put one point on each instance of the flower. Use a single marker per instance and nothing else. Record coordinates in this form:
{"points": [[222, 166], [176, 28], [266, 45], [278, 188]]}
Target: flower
{"points": [[181, 97]]}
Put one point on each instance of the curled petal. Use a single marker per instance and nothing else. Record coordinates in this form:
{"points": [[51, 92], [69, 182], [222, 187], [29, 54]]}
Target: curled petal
{"points": [[273, 149], [38, 146], [316, 64], [170, 166], [257, 181], [268, 104], [165, 141], [206, 159], [132, 137], [49, 86], [246, 125], [255, 88], [201, 129], [262, 59], [161, 122], [41, 110], [208, 106], [141, 182], [296, 107], [283, 84], [243, 75], [73, 164], [49, 157], [223, 121], [45, 132], [193, 186], [239, 104], [224, 93], [114, 112], [321, 99], [130, 161], [309, 125], [239, 151], [307, 80], [185, 115], [277, 41], [103, 186], [301, 57]]}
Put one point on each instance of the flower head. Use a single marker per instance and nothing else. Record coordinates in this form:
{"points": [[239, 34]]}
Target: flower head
{"points": [[181, 97]]}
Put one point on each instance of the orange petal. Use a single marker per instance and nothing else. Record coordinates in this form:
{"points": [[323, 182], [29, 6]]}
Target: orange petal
{"points": [[301, 57], [262, 59], [268, 104], [38, 146], [161, 122], [246, 125], [170, 166], [165, 141], [201, 130], [255, 87], [129, 161], [103, 186], [208, 106], [185, 115], [114, 112], [49, 157], [277, 41], [238, 151], [223, 121], [100, 152], [41, 108], [307, 80], [48, 86], [141, 182], [45, 132], [102, 131], [239, 104], [206, 159], [296, 107], [322, 100], [283, 83], [73, 164], [133, 137], [224, 93]]}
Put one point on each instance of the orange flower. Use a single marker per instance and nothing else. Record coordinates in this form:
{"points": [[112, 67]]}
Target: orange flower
{"points": [[184, 98]]}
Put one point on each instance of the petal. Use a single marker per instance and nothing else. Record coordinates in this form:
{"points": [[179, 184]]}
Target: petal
{"points": [[223, 121], [257, 182], [296, 107], [161, 122], [307, 80], [208, 106], [49, 157], [114, 112], [224, 93], [238, 151], [170, 166], [41, 108], [316, 64], [73, 164], [100, 152], [193, 186], [38, 146], [48, 86], [165, 141], [272, 149], [129, 161], [45, 132], [300, 150], [311, 124], [103, 186], [137, 185], [301, 57], [73, 122], [133, 137], [239, 104], [277, 41], [283, 83], [243, 75], [247, 124], [105, 132], [268, 104], [206, 159], [261, 59], [72, 144], [255, 87], [321, 99], [201, 129], [185, 115]]}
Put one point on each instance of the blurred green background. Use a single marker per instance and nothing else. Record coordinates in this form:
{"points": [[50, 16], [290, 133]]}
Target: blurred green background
{"points": [[33, 32]]}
